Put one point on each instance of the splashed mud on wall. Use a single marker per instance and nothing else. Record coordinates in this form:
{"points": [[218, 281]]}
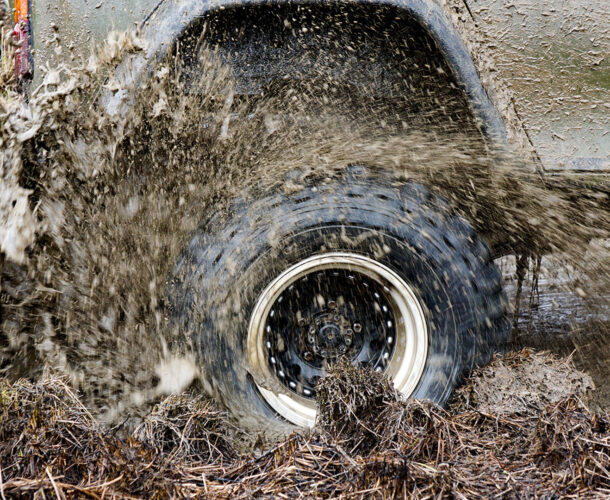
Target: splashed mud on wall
{"points": [[96, 208]]}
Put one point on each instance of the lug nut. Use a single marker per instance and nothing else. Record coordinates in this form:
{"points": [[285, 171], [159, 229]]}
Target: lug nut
{"points": [[348, 341], [357, 327], [349, 331], [307, 356]]}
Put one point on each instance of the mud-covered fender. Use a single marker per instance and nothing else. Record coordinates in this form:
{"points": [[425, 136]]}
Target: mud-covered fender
{"points": [[171, 18]]}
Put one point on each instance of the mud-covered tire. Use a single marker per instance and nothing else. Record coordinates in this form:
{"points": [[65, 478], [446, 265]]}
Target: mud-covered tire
{"points": [[231, 260]]}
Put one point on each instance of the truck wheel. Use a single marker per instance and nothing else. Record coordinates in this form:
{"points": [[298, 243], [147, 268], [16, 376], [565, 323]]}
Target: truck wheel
{"points": [[384, 275]]}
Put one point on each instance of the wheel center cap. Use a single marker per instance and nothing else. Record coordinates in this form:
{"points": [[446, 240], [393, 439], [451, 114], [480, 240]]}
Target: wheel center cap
{"points": [[329, 335], [329, 338]]}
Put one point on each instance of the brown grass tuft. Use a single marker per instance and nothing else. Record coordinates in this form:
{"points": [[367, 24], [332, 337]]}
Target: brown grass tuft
{"points": [[368, 444]]}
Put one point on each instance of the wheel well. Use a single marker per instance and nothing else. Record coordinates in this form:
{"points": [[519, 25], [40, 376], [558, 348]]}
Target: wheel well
{"points": [[358, 51]]}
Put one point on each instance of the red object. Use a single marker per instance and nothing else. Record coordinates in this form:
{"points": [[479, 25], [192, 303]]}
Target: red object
{"points": [[23, 35]]}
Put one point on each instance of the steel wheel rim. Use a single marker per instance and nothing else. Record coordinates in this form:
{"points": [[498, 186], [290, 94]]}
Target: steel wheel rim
{"points": [[404, 366]]}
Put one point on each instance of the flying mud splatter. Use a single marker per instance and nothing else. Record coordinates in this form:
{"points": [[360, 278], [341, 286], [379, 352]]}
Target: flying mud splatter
{"points": [[95, 208]]}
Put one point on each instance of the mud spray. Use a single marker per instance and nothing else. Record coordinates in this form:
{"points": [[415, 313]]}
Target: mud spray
{"points": [[96, 208]]}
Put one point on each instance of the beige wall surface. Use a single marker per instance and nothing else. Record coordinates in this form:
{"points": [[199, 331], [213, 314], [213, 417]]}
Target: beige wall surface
{"points": [[554, 55]]}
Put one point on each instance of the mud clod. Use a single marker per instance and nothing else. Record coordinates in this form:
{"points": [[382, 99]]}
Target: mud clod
{"points": [[520, 382]]}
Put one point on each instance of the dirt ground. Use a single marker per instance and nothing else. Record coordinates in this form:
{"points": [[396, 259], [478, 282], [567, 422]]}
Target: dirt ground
{"points": [[368, 443]]}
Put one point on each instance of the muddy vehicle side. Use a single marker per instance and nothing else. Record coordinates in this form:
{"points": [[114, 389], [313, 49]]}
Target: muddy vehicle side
{"points": [[386, 275], [546, 60]]}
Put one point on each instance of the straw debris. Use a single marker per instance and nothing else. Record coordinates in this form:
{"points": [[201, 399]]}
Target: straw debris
{"points": [[190, 428], [353, 403], [368, 443], [49, 442]]}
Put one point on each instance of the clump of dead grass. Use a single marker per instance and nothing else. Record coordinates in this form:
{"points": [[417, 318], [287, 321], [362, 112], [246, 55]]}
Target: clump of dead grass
{"points": [[353, 403], [50, 444], [552, 446], [368, 444], [189, 427]]}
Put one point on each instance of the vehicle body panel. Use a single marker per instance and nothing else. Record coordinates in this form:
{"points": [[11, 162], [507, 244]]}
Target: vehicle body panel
{"points": [[544, 64]]}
